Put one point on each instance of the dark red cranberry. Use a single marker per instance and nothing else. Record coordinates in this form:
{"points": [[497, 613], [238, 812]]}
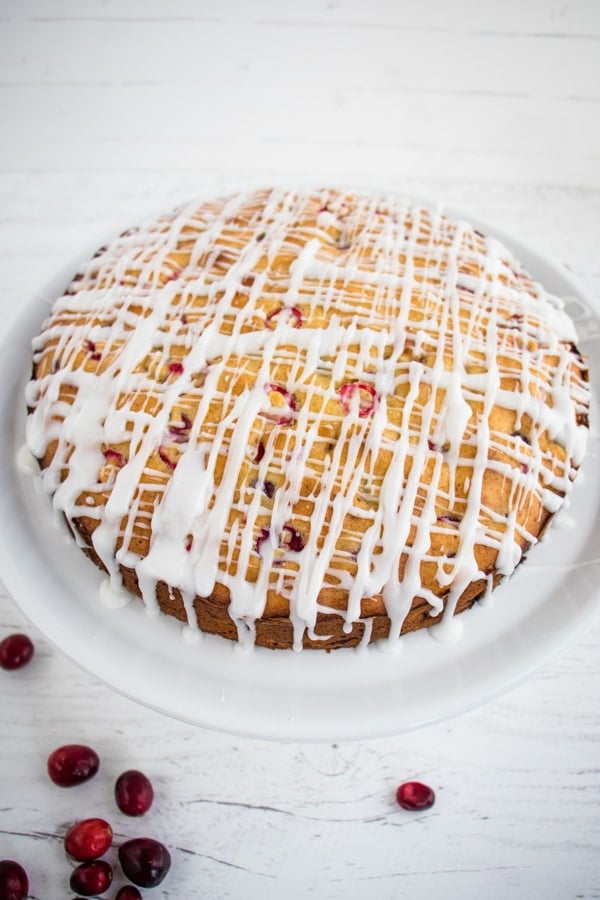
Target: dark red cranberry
{"points": [[93, 351], [91, 878], [414, 795], [88, 839], [166, 459], [114, 456], [144, 861], [292, 312], [365, 393], [173, 276], [72, 764], [435, 447], [292, 538], [279, 415], [449, 519], [269, 488], [14, 883], [16, 651], [128, 892], [263, 535], [180, 432], [134, 793]]}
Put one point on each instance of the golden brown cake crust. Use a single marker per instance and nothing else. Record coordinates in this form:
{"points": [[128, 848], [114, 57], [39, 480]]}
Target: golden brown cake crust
{"points": [[307, 418], [277, 631]]}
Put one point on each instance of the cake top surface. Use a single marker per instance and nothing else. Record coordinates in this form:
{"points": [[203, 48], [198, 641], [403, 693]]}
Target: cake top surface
{"points": [[318, 398]]}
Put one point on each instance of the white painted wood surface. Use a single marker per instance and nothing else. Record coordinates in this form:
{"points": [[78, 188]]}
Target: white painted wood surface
{"points": [[111, 109]]}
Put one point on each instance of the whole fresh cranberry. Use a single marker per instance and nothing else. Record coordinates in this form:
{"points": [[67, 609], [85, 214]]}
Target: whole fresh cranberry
{"points": [[72, 764], [414, 795], [144, 861], [16, 651], [88, 839], [128, 892], [91, 878], [14, 883], [134, 793]]}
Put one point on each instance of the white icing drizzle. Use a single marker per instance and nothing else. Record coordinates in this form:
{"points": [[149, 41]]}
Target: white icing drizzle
{"points": [[111, 597], [448, 631], [308, 386], [26, 461]]}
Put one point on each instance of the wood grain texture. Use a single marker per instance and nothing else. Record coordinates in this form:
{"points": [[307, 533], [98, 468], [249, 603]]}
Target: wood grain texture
{"points": [[115, 109], [464, 89]]}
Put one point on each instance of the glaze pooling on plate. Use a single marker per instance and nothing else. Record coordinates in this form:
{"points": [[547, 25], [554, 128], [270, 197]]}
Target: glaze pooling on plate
{"points": [[342, 411]]}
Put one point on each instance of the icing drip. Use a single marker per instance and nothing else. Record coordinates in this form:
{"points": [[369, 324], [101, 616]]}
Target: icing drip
{"points": [[307, 396], [26, 462], [114, 599]]}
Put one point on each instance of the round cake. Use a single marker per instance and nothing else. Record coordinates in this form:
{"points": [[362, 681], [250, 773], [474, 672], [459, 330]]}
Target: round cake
{"points": [[307, 418]]}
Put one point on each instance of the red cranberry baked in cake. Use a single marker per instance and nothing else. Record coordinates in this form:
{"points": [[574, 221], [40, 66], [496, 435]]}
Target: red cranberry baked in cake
{"points": [[307, 418]]}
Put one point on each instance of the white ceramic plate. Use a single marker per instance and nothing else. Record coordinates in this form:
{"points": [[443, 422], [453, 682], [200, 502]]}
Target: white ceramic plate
{"points": [[552, 598]]}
